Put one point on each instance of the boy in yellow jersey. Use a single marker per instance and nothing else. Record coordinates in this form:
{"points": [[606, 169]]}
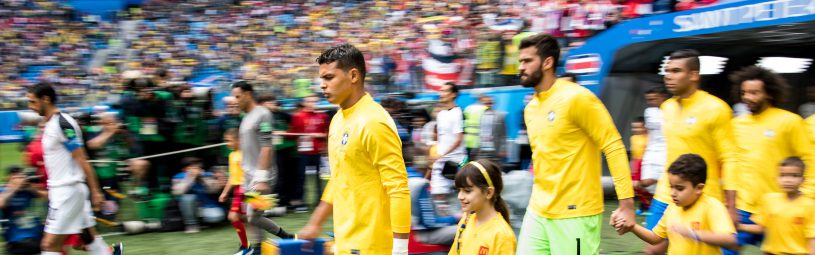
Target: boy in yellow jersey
{"points": [[638, 140], [368, 190], [694, 122], [695, 223], [765, 136], [236, 214], [786, 218], [569, 127]]}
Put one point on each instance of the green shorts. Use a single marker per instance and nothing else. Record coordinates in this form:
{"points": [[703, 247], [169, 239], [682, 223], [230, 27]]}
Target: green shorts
{"points": [[542, 236]]}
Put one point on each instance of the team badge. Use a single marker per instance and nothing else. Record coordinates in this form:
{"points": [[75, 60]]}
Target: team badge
{"points": [[483, 250], [691, 120], [695, 225], [70, 133], [551, 116], [769, 133], [265, 127], [798, 221], [344, 139]]}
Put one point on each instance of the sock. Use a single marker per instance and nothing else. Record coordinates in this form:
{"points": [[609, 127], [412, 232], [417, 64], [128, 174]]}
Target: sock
{"points": [[257, 235], [283, 234], [50, 253], [241, 233], [256, 219], [99, 247]]}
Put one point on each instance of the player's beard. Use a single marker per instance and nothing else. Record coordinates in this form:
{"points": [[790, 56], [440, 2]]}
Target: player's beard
{"points": [[530, 81]]}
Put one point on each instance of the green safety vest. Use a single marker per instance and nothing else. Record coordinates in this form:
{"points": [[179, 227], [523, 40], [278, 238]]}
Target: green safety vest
{"points": [[472, 125]]}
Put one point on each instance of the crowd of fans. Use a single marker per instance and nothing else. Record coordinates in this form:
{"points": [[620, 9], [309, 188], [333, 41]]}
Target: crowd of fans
{"points": [[275, 43]]}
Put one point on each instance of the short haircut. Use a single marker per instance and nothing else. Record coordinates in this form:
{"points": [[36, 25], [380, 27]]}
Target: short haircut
{"points": [[189, 161], [245, 87], [14, 169], [44, 89], [639, 119], [232, 132], [775, 85], [453, 87], [690, 167], [658, 90], [796, 162], [347, 57], [266, 97], [140, 83], [545, 44], [691, 55]]}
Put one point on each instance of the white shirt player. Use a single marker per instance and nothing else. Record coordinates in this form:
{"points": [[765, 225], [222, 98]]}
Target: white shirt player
{"points": [[61, 136], [653, 161]]}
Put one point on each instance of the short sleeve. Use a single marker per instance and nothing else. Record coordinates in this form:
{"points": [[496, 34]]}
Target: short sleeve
{"points": [[71, 135], [265, 129], [457, 121], [719, 219], [328, 196], [758, 215], [661, 228]]}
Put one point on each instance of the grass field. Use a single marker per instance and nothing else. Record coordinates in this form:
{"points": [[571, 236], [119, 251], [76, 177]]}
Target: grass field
{"points": [[221, 239]]}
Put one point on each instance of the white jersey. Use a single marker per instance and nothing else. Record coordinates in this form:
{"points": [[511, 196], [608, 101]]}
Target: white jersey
{"points": [[449, 124], [653, 160], [61, 136]]}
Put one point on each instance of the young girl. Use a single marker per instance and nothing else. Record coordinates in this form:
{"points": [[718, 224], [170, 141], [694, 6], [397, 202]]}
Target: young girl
{"points": [[235, 180], [484, 229]]}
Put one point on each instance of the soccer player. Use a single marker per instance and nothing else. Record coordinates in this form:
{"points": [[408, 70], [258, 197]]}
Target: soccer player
{"points": [[484, 230], [259, 169], [71, 179], [653, 159], [763, 138], [368, 189], [786, 217], [569, 127], [694, 122], [811, 124], [695, 223]]}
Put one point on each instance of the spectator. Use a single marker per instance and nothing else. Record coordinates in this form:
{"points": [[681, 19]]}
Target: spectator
{"points": [[472, 123], [285, 151], [23, 231], [311, 127], [492, 133], [428, 225], [196, 190], [231, 118], [109, 146]]}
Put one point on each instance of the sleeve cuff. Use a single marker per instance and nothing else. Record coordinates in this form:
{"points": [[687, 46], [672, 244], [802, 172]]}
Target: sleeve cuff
{"points": [[260, 176]]}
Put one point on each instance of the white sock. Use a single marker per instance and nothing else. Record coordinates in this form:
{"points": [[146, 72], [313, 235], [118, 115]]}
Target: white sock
{"points": [[50, 253], [98, 247]]}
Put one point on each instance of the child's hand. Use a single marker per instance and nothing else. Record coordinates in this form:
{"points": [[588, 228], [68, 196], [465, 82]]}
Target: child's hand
{"points": [[222, 198], [683, 231], [619, 223]]}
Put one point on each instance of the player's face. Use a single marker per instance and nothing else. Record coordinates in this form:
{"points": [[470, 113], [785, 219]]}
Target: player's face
{"points": [[36, 104], [790, 178], [654, 99], [472, 198], [679, 79], [488, 102], [638, 128], [531, 67], [310, 103], [242, 97], [231, 142], [232, 107], [683, 192], [754, 96], [337, 84], [446, 94]]}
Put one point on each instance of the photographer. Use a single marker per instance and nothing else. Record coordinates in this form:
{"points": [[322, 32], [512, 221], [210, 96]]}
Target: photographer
{"points": [[196, 191], [23, 231], [111, 143]]}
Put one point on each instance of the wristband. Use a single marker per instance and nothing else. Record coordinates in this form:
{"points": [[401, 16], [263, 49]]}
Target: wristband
{"points": [[400, 246], [260, 176]]}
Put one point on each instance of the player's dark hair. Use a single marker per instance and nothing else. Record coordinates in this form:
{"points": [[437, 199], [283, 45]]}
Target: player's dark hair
{"points": [[44, 89], [774, 85], [347, 57], [473, 174], [796, 162], [546, 46], [189, 161], [266, 97], [232, 132], [14, 169], [658, 90], [689, 167], [245, 87], [639, 119], [691, 55], [453, 87]]}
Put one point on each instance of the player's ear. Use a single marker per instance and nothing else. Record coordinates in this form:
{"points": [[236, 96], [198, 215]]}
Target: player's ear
{"points": [[354, 75], [699, 187]]}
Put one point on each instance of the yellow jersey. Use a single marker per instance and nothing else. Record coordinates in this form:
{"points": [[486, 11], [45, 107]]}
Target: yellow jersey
{"points": [[706, 215], [571, 128], [235, 170], [811, 124], [762, 141], [638, 143], [368, 187], [699, 124], [495, 237], [787, 224]]}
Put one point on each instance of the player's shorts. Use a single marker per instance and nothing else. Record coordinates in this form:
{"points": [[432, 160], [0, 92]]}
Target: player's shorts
{"points": [[542, 236], [744, 238], [237, 201], [69, 210], [657, 210], [438, 184]]}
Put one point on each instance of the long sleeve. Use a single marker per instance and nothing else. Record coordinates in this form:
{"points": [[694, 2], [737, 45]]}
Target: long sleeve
{"points": [[726, 148], [591, 116], [385, 148], [802, 147]]}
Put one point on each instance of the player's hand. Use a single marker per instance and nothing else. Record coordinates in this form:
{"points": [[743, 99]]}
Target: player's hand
{"points": [[309, 232], [97, 198], [628, 216], [222, 198], [261, 187], [734, 215]]}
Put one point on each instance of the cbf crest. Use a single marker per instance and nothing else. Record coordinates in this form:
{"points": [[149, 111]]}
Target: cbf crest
{"points": [[551, 116], [344, 140]]}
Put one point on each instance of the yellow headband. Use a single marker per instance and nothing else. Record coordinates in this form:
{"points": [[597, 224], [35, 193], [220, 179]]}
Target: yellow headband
{"points": [[483, 172]]}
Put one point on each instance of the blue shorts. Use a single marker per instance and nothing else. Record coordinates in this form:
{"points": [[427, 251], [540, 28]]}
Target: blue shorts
{"points": [[744, 238], [657, 210]]}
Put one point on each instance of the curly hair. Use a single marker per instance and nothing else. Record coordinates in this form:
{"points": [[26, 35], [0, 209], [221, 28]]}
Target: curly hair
{"points": [[775, 86], [689, 167]]}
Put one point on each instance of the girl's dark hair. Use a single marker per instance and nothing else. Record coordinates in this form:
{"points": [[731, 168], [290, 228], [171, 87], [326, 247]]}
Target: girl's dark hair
{"points": [[472, 173]]}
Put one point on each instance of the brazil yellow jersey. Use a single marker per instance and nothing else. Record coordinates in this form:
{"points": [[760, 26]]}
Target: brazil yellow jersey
{"points": [[568, 128], [811, 124], [763, 140], [699, 124], [787, 224], [235, 170], [638, 143], [495, 237], [706, 215], [368, 187]]}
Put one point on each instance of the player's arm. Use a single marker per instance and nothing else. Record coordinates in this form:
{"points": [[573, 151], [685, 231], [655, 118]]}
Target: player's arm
{"points": [[321, 213], [801, 146], [90, 176], [266, 173], [458, 128], [646, 235], [811, 244], [385, 148], [751, 228], [591, 116]]}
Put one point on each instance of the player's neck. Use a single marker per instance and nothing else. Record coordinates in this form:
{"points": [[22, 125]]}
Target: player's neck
{"points": [[251, 107], [50, 111], [689, 206], [485, 215], [762, 109], [546, 83], [688, 93], [793, 195], [356, 95]]}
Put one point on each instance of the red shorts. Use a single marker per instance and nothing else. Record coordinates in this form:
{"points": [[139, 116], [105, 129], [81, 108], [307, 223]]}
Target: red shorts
{"points": [[237, 201]]}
